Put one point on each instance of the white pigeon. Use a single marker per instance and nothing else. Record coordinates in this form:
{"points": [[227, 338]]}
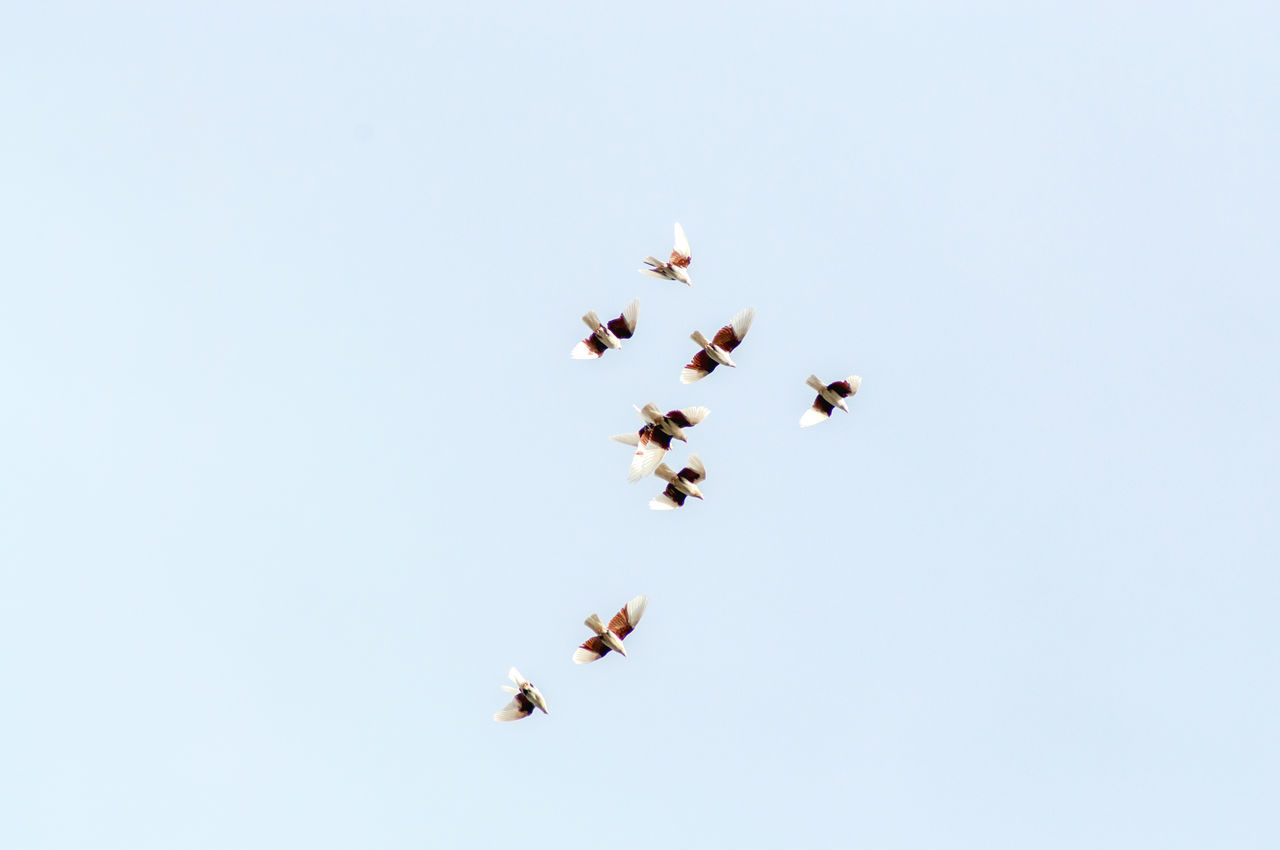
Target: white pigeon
{"points": [[610, 637], [716, 351], [830, 396], [677, 267], [653, 441], [527, 698], [680, 485], [604, 335]]}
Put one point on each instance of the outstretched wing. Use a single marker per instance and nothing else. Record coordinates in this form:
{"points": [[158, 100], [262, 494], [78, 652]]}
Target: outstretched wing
{"points": [[625, 325], [820, 412], [731, 335], [687, 417], [518, 708], [591, 650], [847, 387], [693, 471], [668, 500], [625, 620], [699, 367], [589, 349], [680, 255]]}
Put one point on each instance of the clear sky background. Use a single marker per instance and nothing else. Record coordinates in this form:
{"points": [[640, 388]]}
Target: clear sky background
{"points": [[296, 464]]}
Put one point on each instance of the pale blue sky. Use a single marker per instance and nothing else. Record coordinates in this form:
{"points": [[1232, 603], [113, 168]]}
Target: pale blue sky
{"points": [[296, 464]]}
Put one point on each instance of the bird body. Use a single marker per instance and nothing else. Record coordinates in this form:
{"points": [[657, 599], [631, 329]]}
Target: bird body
{"points": [[830, 396], [680, 485], [527, 698], [675, 268], [715, 352], [604, 336], [609, 638]]}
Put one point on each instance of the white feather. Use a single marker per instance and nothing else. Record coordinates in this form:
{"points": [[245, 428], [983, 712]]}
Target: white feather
{"points": [[584, 656], [514, 675], [695, 463], [695, 414], [689, 375], [582, 351], [813, 382], [662, 502], [635, 609], [854, 383], [631, 438], [812, 416], [682, 242], [511, 711], [645, 461], [741, 323], [631, 313]]}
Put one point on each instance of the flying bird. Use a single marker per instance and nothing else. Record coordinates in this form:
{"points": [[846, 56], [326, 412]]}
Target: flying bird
{"points": [[716, 352], [527, 698], [653, 440], [830, 396], [677, 267], [610, 638], [680, 485], [606, 335]]}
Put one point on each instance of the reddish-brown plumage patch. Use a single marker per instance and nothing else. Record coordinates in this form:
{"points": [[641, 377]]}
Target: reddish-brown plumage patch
{"points": [[678, 259], [597, 347], [620, 625], [841, 388], [688, 474], [679, 418], [726, 339], [619, 328], [674, 495], [821, 404], [596, 645], [702, 362]]}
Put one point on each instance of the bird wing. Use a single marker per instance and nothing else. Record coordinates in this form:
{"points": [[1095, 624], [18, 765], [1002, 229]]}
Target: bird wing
{"points": [[687, 417], [820, 412], [519, 707], [699, 367], [650, 413], [847, 387], [668, 500], [731, 335], [693, 471], [514, 675], [624, 622], [589, 349], [592, 649], [647, 457], [681, 256], [625, 325]]}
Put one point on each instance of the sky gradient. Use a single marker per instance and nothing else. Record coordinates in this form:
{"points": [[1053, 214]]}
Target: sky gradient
{"points": [[297, 464]]}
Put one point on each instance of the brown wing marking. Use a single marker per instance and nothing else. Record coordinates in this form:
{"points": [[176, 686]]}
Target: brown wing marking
{"points": [[654, 434], [679, 418], [689, 474], [703, 363], [678, 259], [821, 404], [619, 328], [726, 339], [594, 644], [596, 346], [620, 625], [841, 388]]}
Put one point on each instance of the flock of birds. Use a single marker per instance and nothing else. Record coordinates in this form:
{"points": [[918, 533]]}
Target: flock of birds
{"points": [[653, 441]]}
